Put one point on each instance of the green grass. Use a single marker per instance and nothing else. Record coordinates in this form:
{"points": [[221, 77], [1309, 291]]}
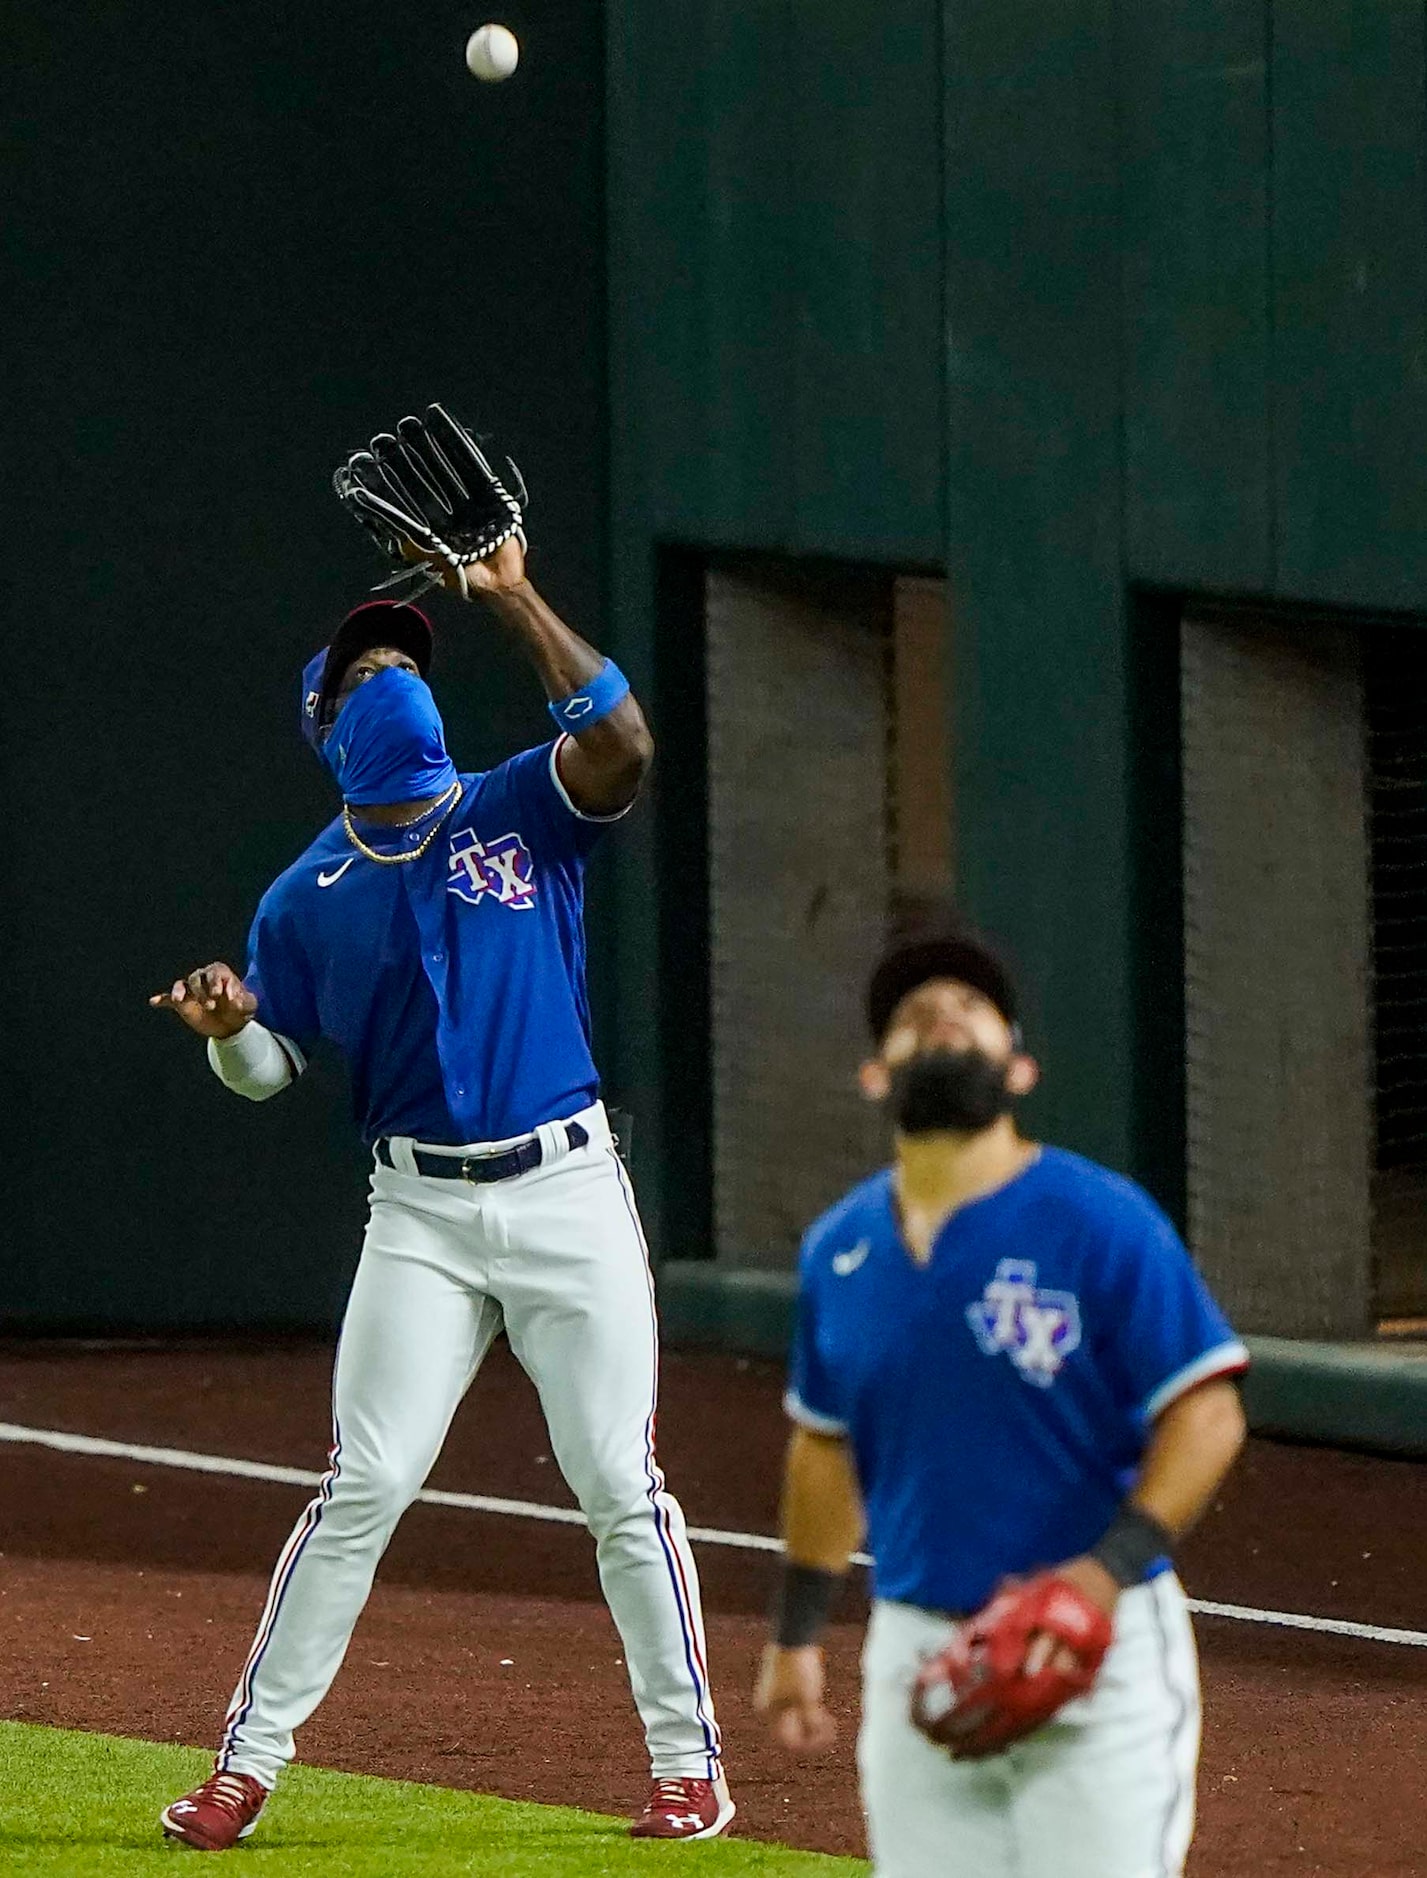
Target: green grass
{"points": [[73, 1804]]}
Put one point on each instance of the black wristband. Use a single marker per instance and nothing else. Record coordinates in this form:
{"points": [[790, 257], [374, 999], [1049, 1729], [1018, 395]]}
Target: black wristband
{"points": [[803, 1603], [1130, 1544]]}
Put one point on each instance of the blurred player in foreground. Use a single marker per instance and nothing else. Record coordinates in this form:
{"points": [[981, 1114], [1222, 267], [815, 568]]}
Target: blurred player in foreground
{"points": [[434, 933], [1007, 1364]]}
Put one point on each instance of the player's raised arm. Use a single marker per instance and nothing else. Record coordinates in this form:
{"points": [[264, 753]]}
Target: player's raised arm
{"points": [[428, 494], [608, 747]]}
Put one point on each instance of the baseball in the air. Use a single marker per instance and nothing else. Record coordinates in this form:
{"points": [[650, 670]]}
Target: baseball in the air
{"points": [[492, 53]]}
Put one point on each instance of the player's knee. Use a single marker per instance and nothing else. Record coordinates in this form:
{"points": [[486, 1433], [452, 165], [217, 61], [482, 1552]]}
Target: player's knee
{"points": [[372, 1491], [619, 1512]]}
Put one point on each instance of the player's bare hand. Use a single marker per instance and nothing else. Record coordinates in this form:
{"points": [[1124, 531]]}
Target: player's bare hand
{"points": [[213, 1001], [789, 1691], [1089, 1577], [498, 573]]}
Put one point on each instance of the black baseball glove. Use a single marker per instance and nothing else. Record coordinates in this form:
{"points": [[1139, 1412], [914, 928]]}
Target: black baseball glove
{"points": [[431, 485]]}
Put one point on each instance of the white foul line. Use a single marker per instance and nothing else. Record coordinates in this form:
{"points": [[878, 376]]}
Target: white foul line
{"points": [[1294, 1620], [569, 1516]]}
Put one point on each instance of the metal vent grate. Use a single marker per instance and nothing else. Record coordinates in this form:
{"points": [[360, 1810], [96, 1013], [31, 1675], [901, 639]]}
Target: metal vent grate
{"points": [[1396, 680], [798, 886], [1277, 971]]}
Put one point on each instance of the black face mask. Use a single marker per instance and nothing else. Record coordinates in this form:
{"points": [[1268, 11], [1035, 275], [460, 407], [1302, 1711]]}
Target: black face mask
{"points": [[963, 1090]]}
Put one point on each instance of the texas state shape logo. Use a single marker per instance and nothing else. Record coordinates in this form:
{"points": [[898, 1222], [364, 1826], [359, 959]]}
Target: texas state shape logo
{"points": [[501, 869], [1036, 1329]]}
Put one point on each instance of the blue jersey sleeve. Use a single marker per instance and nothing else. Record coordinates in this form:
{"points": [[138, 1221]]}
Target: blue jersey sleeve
{"points": [[540, 800], [1167, 1333], [280, 977], [811, 1397]]}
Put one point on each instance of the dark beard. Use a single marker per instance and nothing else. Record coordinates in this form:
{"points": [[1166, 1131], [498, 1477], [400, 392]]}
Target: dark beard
{"points": [[959, 1090]]}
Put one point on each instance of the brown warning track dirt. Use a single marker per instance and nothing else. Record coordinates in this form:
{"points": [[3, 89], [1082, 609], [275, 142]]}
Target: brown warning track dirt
{"points": [[131, 1610]]}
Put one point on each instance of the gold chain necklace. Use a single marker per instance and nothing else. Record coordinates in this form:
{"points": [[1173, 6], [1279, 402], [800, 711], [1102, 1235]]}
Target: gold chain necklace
{"points": [[444, 804]]}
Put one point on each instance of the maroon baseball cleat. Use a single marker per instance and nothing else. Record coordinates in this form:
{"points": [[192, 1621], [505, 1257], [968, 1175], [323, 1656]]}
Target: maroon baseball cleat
{"points": [[216, 1815], [685, 1809]]}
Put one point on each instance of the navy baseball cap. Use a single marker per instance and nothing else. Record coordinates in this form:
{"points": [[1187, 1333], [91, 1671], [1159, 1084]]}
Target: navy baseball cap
{"points": [[374, 623], [927, 939]]}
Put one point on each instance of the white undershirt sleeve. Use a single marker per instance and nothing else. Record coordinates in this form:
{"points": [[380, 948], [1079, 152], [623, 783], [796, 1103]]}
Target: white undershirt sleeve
{"points": [[257, 1063]]}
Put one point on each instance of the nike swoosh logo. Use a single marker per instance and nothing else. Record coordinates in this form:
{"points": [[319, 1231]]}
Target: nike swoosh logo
{"points": [[327, 880], [846, 1263]]}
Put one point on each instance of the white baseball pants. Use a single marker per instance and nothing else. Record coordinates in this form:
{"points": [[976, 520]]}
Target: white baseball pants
{"points": [[556, 1257], [1106, 1790]]}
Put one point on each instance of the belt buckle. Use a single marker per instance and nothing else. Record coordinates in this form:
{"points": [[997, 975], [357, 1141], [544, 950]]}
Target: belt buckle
{"points": [[468, 1161]]}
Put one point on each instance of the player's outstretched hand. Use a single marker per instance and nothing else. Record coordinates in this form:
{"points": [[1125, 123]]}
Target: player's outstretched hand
{"points": [[214, 1001], [498, 573], [789, 1692]]}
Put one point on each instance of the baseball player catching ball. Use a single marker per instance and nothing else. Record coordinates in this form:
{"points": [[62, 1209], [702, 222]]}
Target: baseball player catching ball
{"points": [[1007, 1368], [434, 933]]}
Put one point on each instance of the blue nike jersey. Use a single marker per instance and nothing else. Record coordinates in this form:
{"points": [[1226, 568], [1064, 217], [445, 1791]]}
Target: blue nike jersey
{"points": [[453, 986], [998, 1400]]}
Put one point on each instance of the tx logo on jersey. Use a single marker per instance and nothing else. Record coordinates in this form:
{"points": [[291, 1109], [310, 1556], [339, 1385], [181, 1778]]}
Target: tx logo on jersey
{"points": [[1036, 1329], [502, 868]]}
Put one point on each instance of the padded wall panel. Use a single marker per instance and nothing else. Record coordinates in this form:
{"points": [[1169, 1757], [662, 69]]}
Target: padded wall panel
{"points": [[1350, 300], [1040, 704], [1198, 458]]}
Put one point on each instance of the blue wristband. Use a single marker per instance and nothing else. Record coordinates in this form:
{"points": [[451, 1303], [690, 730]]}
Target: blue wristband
{"points": [[592, 701]]}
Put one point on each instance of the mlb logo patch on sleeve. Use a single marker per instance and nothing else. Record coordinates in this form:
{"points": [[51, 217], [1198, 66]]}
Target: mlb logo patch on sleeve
{"points": [[1036, 1329]]}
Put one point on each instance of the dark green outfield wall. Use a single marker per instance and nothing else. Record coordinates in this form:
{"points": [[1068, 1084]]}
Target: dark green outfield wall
{"points": [[775, 231], [237, 241], [1187, 312], [1074, 300], [1091, 304], [776, 248]]}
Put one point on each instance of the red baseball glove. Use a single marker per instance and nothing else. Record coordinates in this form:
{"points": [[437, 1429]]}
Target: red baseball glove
{"points": [[974, 1698]]}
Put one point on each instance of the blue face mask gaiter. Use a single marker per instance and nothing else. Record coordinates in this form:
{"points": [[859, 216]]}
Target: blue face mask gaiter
{"points": [[388, 743]]}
